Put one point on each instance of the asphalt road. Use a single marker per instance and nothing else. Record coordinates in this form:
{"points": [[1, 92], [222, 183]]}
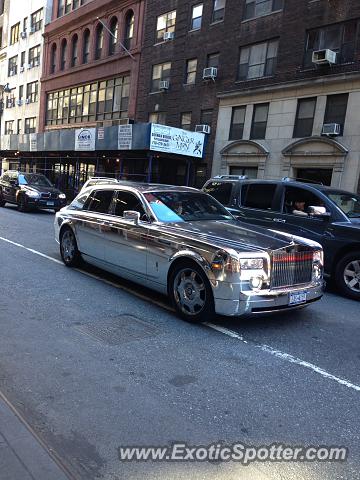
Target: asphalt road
{"points": [[94, 363]]}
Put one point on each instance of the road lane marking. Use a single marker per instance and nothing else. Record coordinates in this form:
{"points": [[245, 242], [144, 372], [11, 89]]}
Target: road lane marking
{"points": [[225, 331], [285, 356]]}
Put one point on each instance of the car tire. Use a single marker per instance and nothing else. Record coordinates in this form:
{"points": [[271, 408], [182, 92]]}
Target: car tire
{"points": [[22, 204], [190, 293], [68, 248], [2, 201], [347, 275]]}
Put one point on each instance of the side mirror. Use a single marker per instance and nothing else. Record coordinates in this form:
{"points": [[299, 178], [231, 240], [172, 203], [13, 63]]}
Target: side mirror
{"points": [[319, 212], [132, 215]]}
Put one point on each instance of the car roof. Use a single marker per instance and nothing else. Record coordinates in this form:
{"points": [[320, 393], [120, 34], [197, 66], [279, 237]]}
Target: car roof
{"points": [[145, 187]]}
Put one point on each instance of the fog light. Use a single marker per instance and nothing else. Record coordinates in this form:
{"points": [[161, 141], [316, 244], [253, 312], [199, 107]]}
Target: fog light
{"points": [[256, 283], [317, 272]]}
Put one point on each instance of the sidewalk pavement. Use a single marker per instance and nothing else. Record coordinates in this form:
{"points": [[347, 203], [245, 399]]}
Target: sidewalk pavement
{"points": [[22, 457]]}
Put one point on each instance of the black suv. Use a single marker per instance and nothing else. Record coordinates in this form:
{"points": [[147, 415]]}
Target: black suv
{"points": [[327, 215], [30, 190]]}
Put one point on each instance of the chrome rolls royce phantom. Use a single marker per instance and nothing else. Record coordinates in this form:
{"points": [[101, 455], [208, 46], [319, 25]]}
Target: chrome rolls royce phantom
{"points": [[185, 244]]}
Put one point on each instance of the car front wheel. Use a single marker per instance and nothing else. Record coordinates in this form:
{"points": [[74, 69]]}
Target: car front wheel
{"points": [[22, 204], [68, 248], [347, 275], [191, 293]]}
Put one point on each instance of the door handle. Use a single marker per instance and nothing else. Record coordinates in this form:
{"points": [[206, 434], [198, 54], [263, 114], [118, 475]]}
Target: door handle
{"points": [[279, 220]]}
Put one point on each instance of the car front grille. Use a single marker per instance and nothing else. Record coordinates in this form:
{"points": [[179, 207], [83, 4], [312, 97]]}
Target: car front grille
{"points": [[48, 196], [291, 268]]}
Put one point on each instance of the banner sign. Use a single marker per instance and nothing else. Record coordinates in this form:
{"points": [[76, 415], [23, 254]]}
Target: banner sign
{"points": [[125, 136], [33, 142], [175, 140], [85, 139]]}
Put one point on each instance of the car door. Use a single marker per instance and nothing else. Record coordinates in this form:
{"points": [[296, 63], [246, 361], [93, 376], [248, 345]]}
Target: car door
{"points": [[91, 223], [10, 187], [126, 240], [258, 203]]}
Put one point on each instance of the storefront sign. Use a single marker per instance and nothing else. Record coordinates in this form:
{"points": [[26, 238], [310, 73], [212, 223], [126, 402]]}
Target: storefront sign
{"points": [[125, 135], [33, 142], [101, 133], [85, 139], [175, 140]]}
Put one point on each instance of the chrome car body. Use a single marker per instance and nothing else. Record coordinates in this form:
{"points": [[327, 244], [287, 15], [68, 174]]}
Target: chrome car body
{"points": [[250, 269]]}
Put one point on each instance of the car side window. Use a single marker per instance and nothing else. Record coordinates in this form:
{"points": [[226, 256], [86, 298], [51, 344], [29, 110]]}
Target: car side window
{"points": [[221, 191], [259, 196], [78, 202], [127, 201], [99, 201], [297, 201]]}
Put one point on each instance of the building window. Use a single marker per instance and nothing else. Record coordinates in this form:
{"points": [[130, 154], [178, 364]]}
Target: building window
{"points": [[185, 121], [304, 117], [259, 121], [14, 33], [68, 6], [129, 30], [30, 125], [19, 126], [196, 16], [63, 55], [336, 106], [157, 117], [250, 172], [2, 6], [206, 117], [160, 72], [257, 8], [212, 60], [36, 20], [34, 56], [22, 59], [258, 60], [114, 32], [12, 66], [86, 46], [21, 91], [218, 10], [106, 100], [32, 90], [340, 38], [74, 50], [53, 59], [99, 41], [9, 127], [190, 76], [165, 23], [237, 123], [61, 5]]}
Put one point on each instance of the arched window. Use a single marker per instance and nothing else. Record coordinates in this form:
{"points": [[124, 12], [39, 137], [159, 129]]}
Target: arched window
{"points": [[129, 29], [63, 54], [74, 50], [114, 29], [99, 41], [53, 59], [86, 46]]}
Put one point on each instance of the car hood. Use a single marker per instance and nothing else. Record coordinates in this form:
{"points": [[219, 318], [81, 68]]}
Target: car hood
{"points": [[39, 189], [236, 235]]}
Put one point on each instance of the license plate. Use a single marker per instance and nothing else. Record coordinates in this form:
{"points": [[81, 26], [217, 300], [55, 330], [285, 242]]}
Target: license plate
{"points": [[297, 298], [50, 204]]}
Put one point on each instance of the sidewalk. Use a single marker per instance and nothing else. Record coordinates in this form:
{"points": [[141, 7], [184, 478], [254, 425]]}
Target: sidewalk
{"points": [[21, 455]]}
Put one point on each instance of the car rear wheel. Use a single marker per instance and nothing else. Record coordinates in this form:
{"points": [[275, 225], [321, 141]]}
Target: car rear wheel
{"points": [[2, 201], [68, 248], [191, 293], [22, 204], [347, 275]]}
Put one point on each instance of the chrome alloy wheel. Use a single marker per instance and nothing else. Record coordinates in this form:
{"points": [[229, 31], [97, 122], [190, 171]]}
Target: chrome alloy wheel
{"points": [[189, 291], [352, 275], [68, 246]]}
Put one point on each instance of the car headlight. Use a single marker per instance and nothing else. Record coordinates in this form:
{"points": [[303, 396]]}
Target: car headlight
{"points": [[62, 196], [251, 263], [318, 257], [32, 194]]}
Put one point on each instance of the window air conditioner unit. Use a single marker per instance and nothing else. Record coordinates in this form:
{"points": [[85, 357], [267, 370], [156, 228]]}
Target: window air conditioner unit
{"points": [[164, 85], [19, 102], [36, 63], [324, 57], [331, 129], [27, 101], [168, 36], [203, 129], [23, 34], [209, 73], [22, 69], [32, 29], [30, 65]]}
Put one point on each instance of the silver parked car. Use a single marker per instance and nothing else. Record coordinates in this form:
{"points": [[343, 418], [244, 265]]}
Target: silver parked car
{"points": [[184, 243]]}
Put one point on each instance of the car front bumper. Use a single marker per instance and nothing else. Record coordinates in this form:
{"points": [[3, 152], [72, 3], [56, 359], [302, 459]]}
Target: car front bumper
{"points": [[266, 301], [50, 204]]}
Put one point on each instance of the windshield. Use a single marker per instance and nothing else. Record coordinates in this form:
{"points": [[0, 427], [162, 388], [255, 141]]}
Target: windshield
{"points": [[186, 207], [36, 179], [348, 203]]}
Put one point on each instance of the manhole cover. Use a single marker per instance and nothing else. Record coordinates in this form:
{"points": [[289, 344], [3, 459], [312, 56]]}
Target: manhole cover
{"points": [[118, 330]]}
